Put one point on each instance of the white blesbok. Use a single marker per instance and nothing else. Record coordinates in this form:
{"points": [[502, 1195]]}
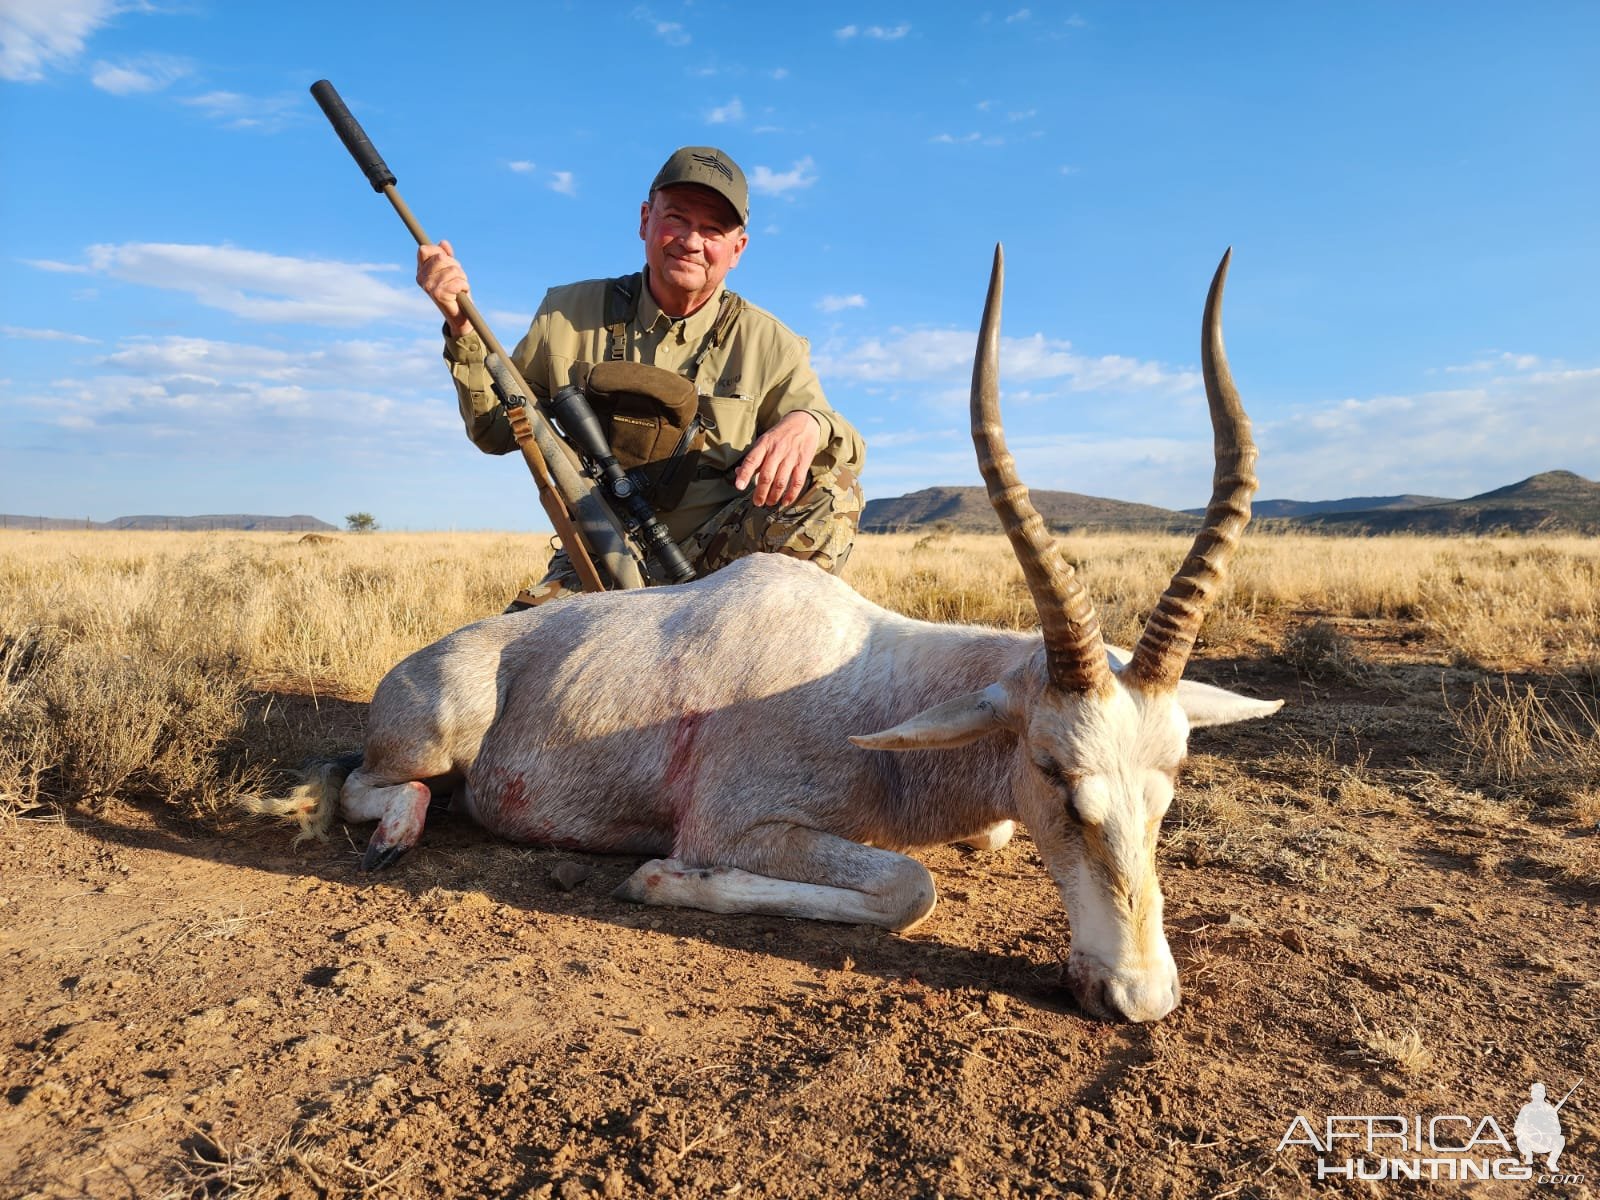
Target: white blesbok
{"points": [[711, 724]]}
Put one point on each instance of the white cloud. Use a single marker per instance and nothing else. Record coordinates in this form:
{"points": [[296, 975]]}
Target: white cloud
{"points": [[1452, 442], [894, 439], [514, 323], [768, 182], [729, 113], [160, 391], [135, 76], [41, 35], [44, 335], [778, 73], [1154, 444], [1022, 14], [261, 114], [833, 304], [260, 286], [58, 268], [671, 32], [1503, 360], [1026, 114], [941, 355], [967, 139], [521, 166], [204, 361], [881, 33], [563, 182]]}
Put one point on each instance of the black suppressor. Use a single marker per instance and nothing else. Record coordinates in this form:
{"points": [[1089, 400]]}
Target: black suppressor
{"points": [[570, 409]]}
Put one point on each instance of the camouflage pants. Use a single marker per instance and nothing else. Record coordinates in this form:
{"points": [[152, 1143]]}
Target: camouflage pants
{"points": [[820, 527]]}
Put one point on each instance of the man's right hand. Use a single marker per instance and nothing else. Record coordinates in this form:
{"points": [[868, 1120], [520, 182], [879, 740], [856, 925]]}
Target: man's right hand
{"points": [[441, 277]]}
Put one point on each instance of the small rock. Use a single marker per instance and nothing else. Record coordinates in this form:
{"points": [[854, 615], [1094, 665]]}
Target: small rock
{"points": [[613, 1185], [568, 875]]}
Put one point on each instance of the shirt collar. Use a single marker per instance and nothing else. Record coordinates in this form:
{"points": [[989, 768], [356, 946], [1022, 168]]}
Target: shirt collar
{"points": [[695, 326]]}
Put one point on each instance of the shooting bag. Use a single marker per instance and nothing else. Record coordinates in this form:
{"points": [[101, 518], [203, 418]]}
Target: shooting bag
{"points": [[652, 419]]}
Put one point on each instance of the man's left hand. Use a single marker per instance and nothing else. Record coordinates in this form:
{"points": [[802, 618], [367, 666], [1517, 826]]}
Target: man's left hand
{"points": [[780, 460]]}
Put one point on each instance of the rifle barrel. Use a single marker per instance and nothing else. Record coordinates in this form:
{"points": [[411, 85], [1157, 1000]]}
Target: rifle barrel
{"points": [[383, 180]]}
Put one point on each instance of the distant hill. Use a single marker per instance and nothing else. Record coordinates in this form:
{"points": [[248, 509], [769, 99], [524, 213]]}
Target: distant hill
{"points": [[1553, 501], [1307, 508], [299, 523], [967, 510]]}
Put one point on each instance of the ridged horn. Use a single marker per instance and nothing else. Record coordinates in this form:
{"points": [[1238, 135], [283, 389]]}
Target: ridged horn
{"points": [[1074, 652], [1169, 635]]}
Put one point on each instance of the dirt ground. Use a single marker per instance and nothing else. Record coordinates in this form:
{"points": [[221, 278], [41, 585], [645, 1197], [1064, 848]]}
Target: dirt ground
{"points": [[189, 1011]]}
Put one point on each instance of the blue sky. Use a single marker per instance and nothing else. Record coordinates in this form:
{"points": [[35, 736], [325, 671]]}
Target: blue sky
{"points": [[206, 309]]}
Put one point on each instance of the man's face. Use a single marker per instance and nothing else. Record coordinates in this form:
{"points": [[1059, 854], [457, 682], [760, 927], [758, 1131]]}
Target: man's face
{"points": [[692, 239]]}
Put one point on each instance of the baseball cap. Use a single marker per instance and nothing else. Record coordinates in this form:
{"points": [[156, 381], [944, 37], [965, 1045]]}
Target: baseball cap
{"points": [[710, 168]]}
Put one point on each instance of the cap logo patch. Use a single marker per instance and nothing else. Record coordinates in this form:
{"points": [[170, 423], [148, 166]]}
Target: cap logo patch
{"points": [[715, 163]]}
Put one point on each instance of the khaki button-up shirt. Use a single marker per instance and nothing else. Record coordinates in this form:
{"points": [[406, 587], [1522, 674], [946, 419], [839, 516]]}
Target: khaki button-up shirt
{"points": [[758, 375]]}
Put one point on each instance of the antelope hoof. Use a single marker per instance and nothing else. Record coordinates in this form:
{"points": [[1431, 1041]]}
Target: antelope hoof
{"points": [[401, 827], [379, 856]]}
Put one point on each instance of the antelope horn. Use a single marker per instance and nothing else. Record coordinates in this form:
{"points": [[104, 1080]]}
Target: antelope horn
{"points": [[1169, 635], [1074, 652]]}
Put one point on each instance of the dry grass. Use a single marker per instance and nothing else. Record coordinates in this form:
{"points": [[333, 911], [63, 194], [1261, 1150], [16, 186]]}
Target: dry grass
{"points": [[1495, 603], [154, 665], [1531, 740], [1401, 1051]]}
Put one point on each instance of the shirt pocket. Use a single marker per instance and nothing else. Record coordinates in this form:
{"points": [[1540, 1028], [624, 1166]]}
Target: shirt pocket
{"points": [[735, 429]]}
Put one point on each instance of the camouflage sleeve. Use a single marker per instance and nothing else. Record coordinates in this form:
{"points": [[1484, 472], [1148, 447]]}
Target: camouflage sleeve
{"points": [[799, 390]]}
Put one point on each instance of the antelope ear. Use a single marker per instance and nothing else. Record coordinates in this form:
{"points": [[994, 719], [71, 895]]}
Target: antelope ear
{"points": [[1206, 705], [1203, 704], [945, 726]]}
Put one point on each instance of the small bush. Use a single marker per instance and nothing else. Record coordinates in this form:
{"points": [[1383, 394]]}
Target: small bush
{"points": [[1319, 653]]}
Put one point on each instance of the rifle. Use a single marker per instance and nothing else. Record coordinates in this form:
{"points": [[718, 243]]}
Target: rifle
{"points": [[597, 531], [1568, 1096]]}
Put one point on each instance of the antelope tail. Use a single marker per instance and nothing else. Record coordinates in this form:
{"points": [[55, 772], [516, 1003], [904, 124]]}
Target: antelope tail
{"points": [[313, 803]]}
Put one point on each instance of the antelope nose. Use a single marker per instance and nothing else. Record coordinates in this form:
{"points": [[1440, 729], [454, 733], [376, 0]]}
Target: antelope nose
{"points": [[1141, 998]]}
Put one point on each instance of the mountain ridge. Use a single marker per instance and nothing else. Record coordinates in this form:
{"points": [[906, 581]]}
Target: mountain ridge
{"points": [[1550, 501], [297, 523]]}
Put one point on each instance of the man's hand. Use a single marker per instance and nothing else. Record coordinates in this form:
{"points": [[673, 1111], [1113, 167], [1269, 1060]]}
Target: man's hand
{"points": [[780, 460], [441, 276]]}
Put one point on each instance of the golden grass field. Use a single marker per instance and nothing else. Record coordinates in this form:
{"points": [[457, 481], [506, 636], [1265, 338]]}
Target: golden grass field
{"points": [[1382, 899], [156, 640]]}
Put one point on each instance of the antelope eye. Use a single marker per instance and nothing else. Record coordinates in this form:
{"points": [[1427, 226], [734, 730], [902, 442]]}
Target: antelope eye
{"points": [[1063, 783]]}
